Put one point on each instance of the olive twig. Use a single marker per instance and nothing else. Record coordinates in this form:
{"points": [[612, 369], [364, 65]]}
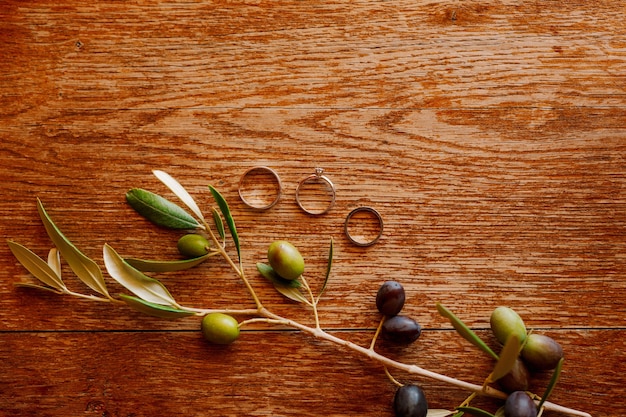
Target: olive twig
{"points": [[378, 329], [238, 269], [313, 301]]}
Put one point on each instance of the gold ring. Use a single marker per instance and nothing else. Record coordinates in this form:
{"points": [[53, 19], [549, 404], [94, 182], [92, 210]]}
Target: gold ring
{"points": [[259, 194], [346, 226], [318, 177]]}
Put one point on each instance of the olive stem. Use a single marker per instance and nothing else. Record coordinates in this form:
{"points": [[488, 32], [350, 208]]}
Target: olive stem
{"points": [[93, 297], [205, 311], [313, 302], [378, 329], [238, 269]]}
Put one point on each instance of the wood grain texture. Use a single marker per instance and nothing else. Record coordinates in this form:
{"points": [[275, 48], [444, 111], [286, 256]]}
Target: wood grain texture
{"points": [[490, 137]]}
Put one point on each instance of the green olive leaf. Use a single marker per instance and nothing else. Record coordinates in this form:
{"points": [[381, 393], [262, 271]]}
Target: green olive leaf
{"points": [[145, 265], [508, 356], [475, 411], [37, 267], [144, 287], [159, 210], [286, 287], [85, 269], [499, 412], [219, 225], [465, 331], [553, 380], [221, 202], [153, 309], [328, 267], [179, 191], [267, 272]]}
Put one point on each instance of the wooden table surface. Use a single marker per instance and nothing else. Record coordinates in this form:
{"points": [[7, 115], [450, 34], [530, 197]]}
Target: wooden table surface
{"points": [[490, 136]]}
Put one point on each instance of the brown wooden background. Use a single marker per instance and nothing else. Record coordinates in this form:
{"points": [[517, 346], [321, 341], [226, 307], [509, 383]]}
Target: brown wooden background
{"points": [[491, 136]]}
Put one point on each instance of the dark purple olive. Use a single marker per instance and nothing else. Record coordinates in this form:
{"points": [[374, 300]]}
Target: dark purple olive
{"points": [[401, 329], [519, 404], [390, 298], [541, 352], [410, 401], [517, 379]]}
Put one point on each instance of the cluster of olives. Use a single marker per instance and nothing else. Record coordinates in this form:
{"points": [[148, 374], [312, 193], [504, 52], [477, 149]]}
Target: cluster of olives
{"points": [[539, 353], [396, 328], [409, 400]]}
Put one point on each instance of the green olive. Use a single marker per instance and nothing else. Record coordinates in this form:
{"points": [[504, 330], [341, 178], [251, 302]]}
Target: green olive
{"points": [[285, 260], [193, 245], [220, 328], [504, 322], [541, 352]]}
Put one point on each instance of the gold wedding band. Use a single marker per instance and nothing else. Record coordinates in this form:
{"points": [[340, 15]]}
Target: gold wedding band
{"points": [[379, 230], [254, 194], [318, 177]]}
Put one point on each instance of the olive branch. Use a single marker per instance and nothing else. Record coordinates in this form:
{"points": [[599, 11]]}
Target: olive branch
{"points": [[151, 297]]}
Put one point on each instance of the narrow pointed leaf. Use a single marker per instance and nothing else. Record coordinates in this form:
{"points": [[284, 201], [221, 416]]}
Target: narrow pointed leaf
{"points": [[156, 310], [36, 266], [219, 225], [159, 210], [287, 288], [145, 265], [144, 287], [37, 287], [508, 356], [180, 192], [228, 217], [475, 411], [465, 331], [553, 380], [85, 268], [438, 412], [328, 267], [54, 261]]}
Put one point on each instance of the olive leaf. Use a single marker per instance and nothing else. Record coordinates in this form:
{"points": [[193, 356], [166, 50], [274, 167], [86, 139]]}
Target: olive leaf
{"points": [[153, 309], [219, 225], [286, 287], [159, 210], [179, 191], [37, 267], [145, 265], [553, 380], [221, 202], [144, 287], [54, 261], [85, 269], [465, 331], [508, 356], [268, 272], [475, 411], [328, 267], [438, 412]]}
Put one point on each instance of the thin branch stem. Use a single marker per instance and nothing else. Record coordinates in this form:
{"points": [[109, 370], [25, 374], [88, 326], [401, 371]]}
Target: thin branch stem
{"points": [[378, 329], [313, 302]]}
